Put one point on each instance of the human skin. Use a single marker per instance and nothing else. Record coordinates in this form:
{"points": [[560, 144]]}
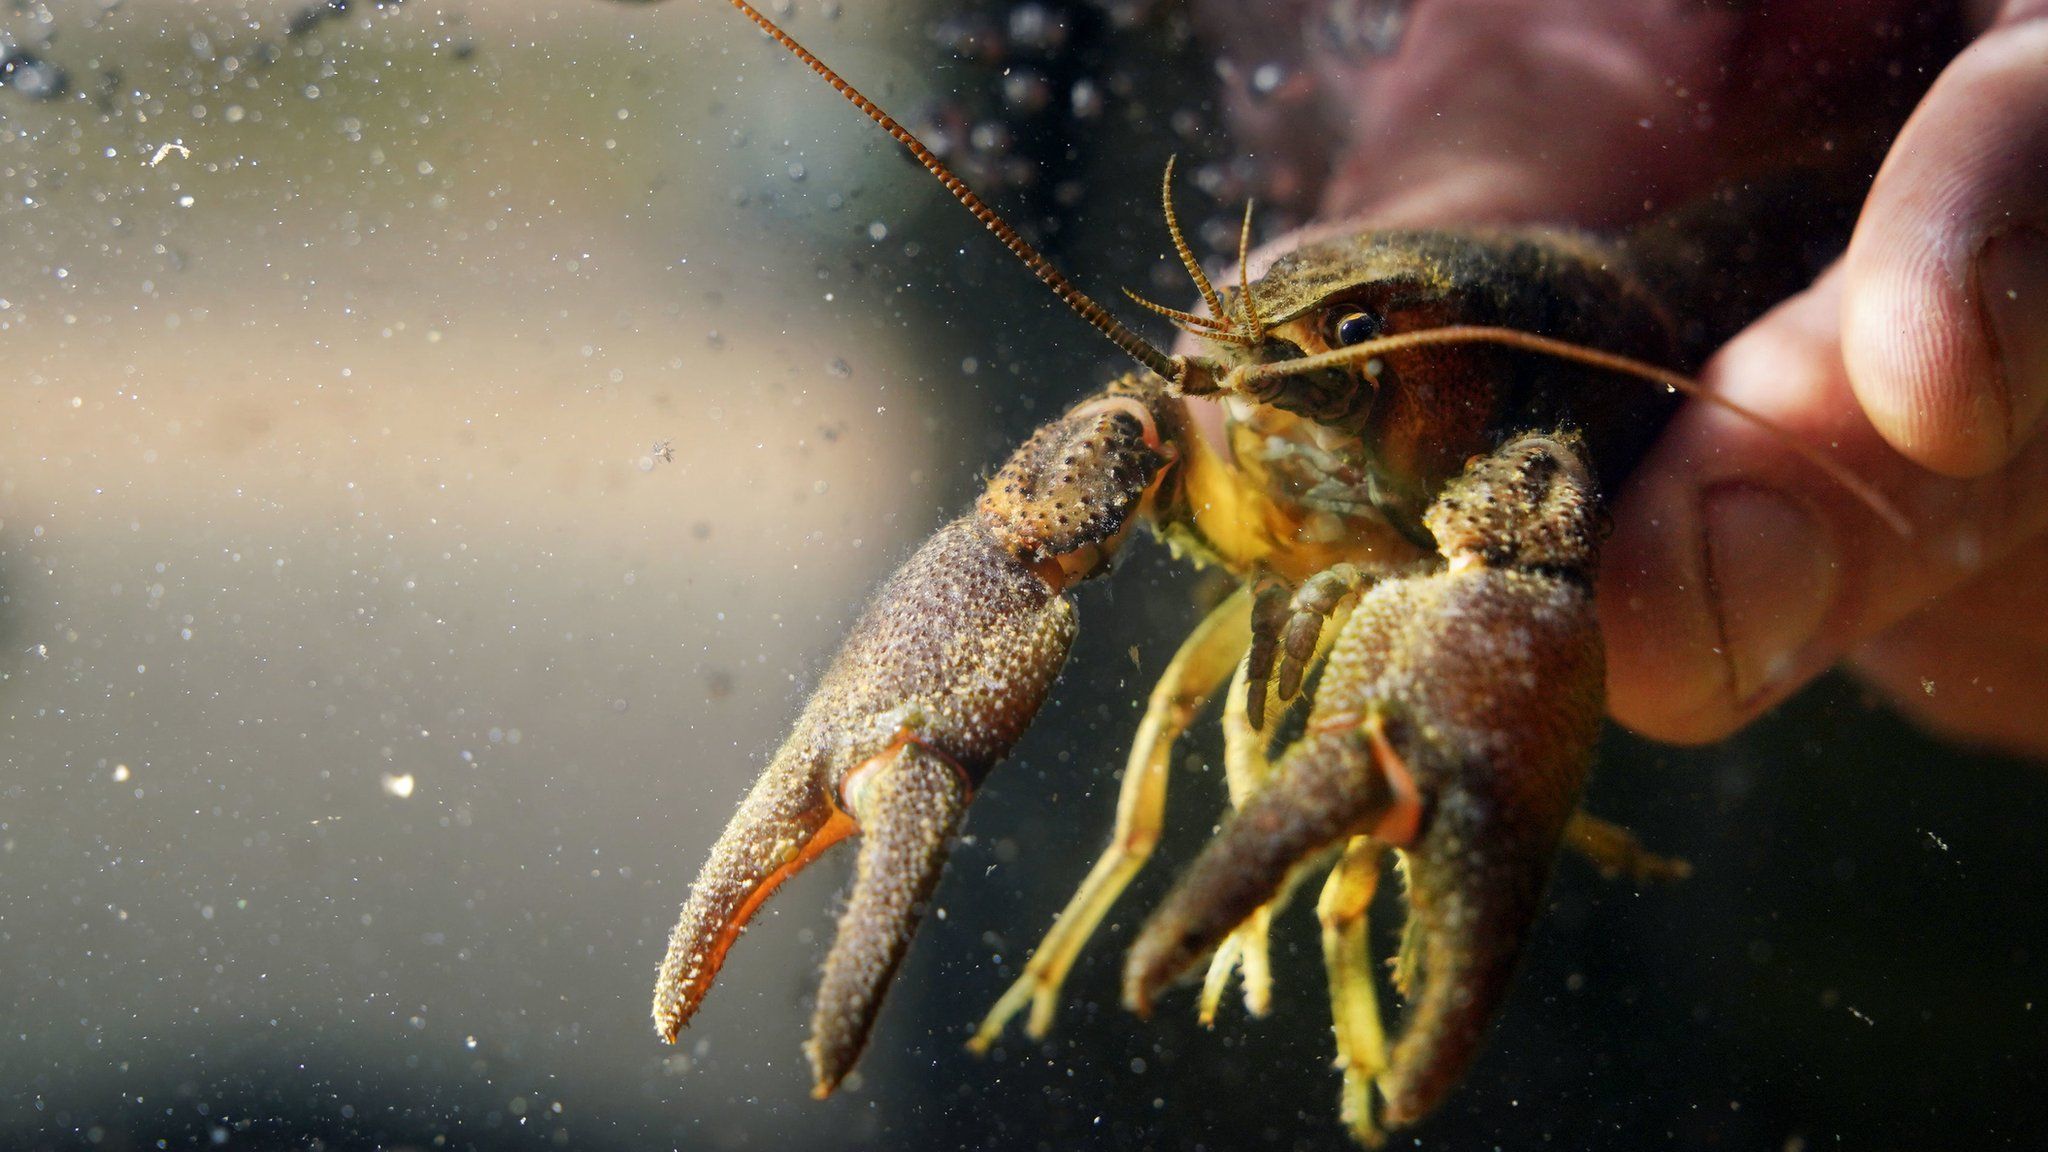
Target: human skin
{"points": [[1736, 573]]}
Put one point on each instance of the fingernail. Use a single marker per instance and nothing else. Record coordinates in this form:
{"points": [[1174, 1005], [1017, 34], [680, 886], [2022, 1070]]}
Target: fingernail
{"points": [[1771, 574], [2012, 275]]}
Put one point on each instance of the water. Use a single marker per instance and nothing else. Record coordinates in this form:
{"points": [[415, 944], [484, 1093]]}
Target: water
{"points": [[425, 498]]}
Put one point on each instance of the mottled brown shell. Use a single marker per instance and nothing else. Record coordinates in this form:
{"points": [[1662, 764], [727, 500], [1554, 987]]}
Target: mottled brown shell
{"points": [[959, 648], [1077, 482], [1514, 512]]}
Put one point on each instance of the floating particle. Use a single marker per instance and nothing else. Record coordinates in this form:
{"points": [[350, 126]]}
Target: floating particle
{"points": [[31, 75]]}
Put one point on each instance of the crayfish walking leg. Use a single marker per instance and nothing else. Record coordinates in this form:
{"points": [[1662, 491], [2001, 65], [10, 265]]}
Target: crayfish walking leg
{"points": [[1247, 769], [1204, 659]]}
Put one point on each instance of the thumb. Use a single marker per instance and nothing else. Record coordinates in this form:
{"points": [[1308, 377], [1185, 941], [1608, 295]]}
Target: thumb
{"points": [[1946, 317], [1738, 571]]}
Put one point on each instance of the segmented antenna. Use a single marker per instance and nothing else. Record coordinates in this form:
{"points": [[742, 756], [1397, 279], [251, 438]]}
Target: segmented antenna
{"points": [[1248, 329], [1180, 245], [1135, 346]]}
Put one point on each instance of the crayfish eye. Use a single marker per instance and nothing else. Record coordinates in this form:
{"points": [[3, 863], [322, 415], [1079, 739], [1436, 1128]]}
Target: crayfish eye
{"points": [[1349, 328]]}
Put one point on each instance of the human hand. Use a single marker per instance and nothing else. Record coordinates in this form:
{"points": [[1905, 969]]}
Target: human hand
{"points": [[1920, 360]]}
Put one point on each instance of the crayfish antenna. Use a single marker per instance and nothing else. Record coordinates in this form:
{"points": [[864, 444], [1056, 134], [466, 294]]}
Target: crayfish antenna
{"points": [[1187, 255], [1133, 345], [1247, 329], [1262, 383], [1202, 326], [1252, 326]]}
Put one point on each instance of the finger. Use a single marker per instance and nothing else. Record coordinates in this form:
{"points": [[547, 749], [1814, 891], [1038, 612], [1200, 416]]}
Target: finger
{"points": [[1970, 665], [1529, 110], [1946, 316], [1737, 571]]}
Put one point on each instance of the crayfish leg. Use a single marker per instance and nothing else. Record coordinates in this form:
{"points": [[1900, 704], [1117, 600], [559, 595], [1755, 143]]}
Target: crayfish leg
{"points": [[1305, 637], [1246, 769], [1272, 598], [1354, 1002], [1223, 965], [1205, 658], [1616, 852]]}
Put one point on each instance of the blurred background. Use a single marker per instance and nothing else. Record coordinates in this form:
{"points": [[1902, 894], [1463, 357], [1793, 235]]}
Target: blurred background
{"points": [[440, 445]]}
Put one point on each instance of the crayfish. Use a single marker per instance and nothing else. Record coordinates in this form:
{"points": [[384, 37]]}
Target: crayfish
{"points": [[1399, 445]]}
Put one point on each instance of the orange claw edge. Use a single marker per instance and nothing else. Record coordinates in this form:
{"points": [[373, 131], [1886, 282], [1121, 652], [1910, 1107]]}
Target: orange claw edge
{"points": [[680, 1002]]}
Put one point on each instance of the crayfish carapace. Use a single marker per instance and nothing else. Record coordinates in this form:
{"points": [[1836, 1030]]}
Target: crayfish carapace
{"points": [[1399, 443]]}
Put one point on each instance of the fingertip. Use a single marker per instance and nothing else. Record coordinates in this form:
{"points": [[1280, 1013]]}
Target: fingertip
{"points": [[1945, 314]]}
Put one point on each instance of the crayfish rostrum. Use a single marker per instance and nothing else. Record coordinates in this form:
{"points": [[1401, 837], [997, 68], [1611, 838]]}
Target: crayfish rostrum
{"points": [[1399, 444]]}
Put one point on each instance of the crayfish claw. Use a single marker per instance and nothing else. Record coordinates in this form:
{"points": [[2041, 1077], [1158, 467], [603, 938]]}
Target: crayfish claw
{"points": [[908, 808], [1515, 673], [1327, 789], [1454, 722], [786, 822], [934, 685]]}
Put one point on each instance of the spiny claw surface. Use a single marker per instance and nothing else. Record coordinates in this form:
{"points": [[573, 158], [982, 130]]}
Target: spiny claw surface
{"points": [[1455, 721], [935, 684], [908, 812]]}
